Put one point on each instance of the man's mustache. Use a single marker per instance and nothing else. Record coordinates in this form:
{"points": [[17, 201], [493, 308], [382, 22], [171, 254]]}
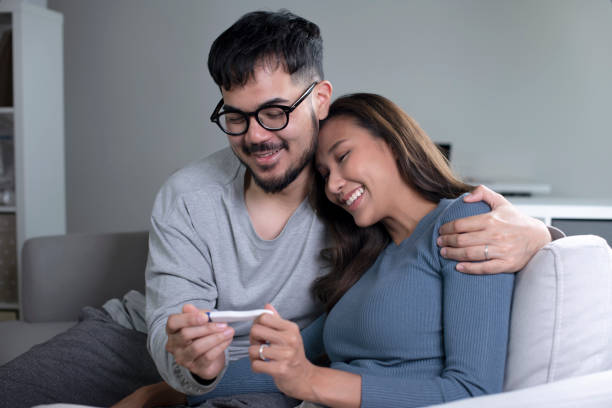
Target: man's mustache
{"points": [[263, 147]]}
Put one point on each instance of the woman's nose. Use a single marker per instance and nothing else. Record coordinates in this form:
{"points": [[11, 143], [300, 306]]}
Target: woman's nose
{"points": [[334, 183]]}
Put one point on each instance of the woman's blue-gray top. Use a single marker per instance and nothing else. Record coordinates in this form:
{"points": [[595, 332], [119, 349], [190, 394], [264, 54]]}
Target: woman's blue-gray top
{"points": [[418, 331]]}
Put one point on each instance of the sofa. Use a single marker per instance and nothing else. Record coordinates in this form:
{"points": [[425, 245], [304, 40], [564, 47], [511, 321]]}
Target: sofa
{"points": [[560, 346], [62, 274]]}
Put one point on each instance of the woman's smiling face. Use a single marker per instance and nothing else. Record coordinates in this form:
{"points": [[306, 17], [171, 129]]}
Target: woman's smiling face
{"points": [[359, 169]]}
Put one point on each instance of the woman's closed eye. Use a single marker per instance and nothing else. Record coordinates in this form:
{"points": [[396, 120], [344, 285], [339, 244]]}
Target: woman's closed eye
{"points": [[343, 156]]}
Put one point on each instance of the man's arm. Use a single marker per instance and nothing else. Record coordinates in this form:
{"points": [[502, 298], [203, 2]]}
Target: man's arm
{"points": [[189, 352], [505, 239]]}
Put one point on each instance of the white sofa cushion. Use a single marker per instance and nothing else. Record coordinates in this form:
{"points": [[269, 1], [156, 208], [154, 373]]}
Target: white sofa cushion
{"points": [[585, 391], [561, 323]]}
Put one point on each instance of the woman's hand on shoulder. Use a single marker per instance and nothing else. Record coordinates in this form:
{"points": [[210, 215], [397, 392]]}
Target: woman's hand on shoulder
{"points": [[277, 350], [505, 239]]}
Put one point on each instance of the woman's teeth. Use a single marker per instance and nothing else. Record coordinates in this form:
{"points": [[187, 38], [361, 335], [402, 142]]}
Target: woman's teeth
{"points": [[354, 196]]}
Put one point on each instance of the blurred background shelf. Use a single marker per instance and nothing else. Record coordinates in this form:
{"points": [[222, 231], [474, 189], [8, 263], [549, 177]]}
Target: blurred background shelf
{"points": [[574, 216], [32, 175]]}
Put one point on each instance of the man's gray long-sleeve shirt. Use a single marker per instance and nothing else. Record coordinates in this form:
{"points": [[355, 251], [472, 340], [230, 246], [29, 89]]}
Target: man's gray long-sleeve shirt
{"points": [[203, 250]]}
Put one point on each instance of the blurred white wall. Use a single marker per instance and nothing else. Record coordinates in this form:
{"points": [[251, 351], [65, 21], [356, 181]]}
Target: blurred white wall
{"points": [[522, 88]]}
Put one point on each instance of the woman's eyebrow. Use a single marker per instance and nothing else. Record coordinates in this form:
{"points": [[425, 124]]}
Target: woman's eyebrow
{"points": [[335, 145]]}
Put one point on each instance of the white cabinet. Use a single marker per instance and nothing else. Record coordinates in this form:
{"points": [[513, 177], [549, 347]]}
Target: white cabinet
{"points": [[572, 216], [32, 169]]}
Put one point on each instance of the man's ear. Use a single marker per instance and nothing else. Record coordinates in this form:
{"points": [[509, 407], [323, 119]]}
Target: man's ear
{"points": [[322, 98]]}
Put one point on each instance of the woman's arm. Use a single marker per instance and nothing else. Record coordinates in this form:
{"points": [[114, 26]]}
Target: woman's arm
{"points": [[282, 347]]}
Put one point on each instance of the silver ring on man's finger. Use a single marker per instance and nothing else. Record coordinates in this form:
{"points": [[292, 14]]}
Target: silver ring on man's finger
{"points": [[486, 252], [261, 348]]}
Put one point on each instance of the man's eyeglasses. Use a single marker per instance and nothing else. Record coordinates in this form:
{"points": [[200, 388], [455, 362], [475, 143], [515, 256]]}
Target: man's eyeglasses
{"points": [[271, 117]]}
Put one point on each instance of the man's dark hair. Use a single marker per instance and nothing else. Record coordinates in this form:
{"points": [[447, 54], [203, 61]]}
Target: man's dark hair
{"points": [[274, 38]]}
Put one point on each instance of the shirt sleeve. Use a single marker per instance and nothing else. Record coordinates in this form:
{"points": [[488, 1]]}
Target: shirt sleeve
{"points": [[178, 272], [476, 314]]}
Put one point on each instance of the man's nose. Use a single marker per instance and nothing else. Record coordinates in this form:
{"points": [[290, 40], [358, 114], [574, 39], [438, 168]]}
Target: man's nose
{"points": [[256, 133]]}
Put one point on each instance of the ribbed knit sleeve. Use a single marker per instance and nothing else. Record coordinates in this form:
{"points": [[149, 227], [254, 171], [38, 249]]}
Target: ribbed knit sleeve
{"points": [[475, 319]]}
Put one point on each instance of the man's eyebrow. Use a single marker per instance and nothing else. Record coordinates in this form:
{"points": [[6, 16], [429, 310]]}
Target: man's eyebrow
{"points": [[272, 101]]}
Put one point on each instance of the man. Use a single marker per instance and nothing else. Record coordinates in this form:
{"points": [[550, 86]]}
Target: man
{"points": [[236, 231]]}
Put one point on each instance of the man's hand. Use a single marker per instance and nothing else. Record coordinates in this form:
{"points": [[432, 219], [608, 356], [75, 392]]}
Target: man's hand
{"points": [[504, 238], [197, 344]]}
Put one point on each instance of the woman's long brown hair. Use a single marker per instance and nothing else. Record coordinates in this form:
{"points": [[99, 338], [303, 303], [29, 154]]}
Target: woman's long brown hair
{"points": [[421, 165]]}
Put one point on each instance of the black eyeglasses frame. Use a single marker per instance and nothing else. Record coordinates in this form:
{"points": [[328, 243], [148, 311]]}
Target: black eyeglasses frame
{"points": [[286, 109]]}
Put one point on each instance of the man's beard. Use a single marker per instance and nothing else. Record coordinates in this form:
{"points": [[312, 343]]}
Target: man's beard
{"points": [[278, 184]]}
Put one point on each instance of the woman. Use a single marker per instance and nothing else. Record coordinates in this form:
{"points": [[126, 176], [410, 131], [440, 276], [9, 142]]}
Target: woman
{"points": [[403, 327]]}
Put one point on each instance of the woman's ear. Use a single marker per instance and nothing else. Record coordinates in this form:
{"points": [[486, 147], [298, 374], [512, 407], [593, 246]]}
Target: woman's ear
{"points": [[322, 98]]}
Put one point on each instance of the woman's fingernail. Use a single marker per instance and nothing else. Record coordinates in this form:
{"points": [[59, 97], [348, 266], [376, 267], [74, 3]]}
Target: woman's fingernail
{"points": [[443, 252], [460, 267], [439, 240], [220, 325], [228, 332]]}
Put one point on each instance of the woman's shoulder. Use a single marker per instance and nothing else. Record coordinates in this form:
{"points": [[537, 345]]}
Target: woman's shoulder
{"points": [[454, 208]]}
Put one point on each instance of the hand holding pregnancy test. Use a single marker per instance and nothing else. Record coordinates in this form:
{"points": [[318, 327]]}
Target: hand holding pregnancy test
{"points": [[231, 316]]}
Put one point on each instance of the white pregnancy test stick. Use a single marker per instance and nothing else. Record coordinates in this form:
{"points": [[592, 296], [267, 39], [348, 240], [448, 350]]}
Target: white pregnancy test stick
{"points": [[228, 316]]}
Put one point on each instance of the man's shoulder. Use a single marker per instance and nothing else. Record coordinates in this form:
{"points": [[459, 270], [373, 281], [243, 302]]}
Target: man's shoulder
{"points": [[220, 168], [209, 175]]}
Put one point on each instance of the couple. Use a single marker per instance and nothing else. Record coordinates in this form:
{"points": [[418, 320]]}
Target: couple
{"points": [[402, 327], [260, 222], [400, 324]]}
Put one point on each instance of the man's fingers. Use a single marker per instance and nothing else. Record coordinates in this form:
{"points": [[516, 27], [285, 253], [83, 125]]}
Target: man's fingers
{"points": [[181, 340], [463, 240], [483, 268], [195, 332], [483, 193], [213, 353], [470, 254], [177, 322], [468, 224], [474, 195], [199, 347], [189, 308]]}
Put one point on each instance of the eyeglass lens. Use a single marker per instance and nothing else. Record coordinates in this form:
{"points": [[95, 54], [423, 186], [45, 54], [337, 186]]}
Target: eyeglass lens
{"points": [[270, 118]]}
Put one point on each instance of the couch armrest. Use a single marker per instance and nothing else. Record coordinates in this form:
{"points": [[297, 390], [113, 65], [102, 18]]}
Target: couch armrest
{"points": [[63, 273]]}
